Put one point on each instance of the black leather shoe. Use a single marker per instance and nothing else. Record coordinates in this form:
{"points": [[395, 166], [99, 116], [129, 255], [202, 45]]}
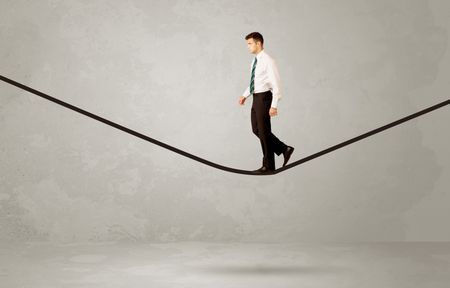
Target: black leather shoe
{"points": [[264, 170], [287, 154]]}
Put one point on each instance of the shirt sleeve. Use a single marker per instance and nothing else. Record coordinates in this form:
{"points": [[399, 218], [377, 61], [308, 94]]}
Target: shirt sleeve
{"points": [[246, 92], [274, 81]]}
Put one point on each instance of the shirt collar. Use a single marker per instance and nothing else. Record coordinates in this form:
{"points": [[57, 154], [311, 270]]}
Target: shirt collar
{"points": [[258, 56]]}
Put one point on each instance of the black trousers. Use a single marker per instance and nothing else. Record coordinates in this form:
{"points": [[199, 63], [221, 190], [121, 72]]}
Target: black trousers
{"points": [[261, 127]]}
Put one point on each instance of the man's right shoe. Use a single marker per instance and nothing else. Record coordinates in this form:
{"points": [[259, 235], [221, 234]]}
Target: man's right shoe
{"points": [[287, 154]]}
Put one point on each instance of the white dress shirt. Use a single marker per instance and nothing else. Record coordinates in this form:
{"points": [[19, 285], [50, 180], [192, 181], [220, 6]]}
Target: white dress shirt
{"points": [[266, 77]]}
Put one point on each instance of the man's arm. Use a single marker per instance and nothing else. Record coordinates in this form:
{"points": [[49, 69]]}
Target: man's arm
{"points": [[275, 83], [246, 92]]}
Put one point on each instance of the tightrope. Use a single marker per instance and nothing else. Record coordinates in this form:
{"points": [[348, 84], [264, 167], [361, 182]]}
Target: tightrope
{"points": [[212, 164]]}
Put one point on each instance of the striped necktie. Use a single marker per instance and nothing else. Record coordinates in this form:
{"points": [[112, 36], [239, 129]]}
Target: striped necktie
{"points": [[252, 84]]}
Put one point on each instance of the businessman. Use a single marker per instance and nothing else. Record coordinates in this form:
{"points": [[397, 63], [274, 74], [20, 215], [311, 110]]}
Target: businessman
{"points": [[265, 88]]}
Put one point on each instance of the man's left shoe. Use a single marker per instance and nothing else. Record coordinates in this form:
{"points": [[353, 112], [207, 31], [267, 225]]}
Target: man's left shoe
{"points": [[287, 154]]}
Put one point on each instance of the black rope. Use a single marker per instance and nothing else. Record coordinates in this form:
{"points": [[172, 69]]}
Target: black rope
{"points": [[212, 164]]}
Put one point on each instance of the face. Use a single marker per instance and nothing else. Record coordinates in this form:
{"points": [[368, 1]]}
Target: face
{"points": [[253, 46]]}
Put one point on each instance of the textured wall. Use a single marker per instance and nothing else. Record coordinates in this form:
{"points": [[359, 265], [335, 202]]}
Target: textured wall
{"points": [[174, 70]]}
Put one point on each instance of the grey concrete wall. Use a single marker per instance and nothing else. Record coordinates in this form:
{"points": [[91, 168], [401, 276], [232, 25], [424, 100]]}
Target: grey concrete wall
{"points": [[174, 70]]}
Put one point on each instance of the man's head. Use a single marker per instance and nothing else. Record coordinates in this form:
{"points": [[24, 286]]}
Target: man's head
{"points": [[255, 42]]}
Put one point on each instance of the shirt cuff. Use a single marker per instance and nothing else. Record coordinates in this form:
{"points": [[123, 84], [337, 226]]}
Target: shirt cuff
{"points": [[275, 100], [246, 93]]}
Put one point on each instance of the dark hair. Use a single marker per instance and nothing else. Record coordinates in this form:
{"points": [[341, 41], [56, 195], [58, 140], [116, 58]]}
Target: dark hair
{"points": [[256, 36]]}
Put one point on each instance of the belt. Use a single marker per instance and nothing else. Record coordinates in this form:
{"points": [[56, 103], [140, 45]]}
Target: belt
{"points": [[268, 91]]}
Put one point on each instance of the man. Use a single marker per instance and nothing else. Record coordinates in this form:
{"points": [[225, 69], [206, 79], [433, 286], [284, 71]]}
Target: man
{"points": [[265, 88]]}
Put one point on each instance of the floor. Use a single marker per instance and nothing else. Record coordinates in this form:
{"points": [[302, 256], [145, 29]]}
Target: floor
{"points": [[207, 264]]}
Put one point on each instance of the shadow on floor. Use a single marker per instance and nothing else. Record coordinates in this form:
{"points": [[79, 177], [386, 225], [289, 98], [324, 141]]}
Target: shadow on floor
{"points": [[271, 269]]}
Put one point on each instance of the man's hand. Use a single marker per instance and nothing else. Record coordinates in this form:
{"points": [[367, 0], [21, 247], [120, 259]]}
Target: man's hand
{"points": [[273, 111], [242, 100]]}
